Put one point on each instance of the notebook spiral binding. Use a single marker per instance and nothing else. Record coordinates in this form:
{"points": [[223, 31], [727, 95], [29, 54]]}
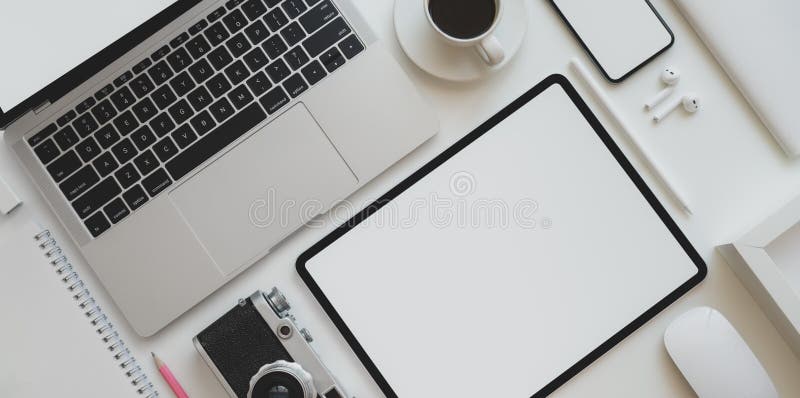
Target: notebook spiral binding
{"points": [[98, 319]]}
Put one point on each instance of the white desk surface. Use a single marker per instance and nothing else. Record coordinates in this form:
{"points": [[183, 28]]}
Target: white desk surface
{"points": [[732, 171]]}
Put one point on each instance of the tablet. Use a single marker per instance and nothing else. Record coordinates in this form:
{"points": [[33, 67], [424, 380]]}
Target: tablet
{"points": [[621, 36], [506, 264]]}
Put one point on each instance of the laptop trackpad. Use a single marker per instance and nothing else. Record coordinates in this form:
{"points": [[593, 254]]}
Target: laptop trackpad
{"points": [[263, 189]]}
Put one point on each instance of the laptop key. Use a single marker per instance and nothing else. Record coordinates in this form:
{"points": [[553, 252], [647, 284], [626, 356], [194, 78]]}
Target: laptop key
{"points": [[165, 149], [220, 58], [332, 59], [256, 59], [179, 40], [156, 182], [216, 140], [182, 84], [106, 136], [66, 118], [276, 19], [198, 47], [295, 85], [326, 37], [143, 137], [160, 73], [235, 21], [256, 32], [201, 71], [278, 71], [216, 34], [42, 135], [179, 60], [314, 72], [240, 96], [184, 136], [105, 164], [103, 112], [85, 105], [274, 100], [238, 45], [123, 79], [216, 14], [62, 167], [296, 58], [275, 46], [127, 175], [181, 111], [142, 66], [160, 53], [123, 98], [203, 122], [237, 72], [164, 97], [198, 27], [135, 197], [116, 210], [259, 83], [124, 151], [66, 138], [126, 123], [199, 98], [293, 33], [79, 182], [95, 198], [104, 92], [144, 110], [318, 16], [293, 8], [218, 85], [146, 162], [142, 85], [231, 4], [85, 125], [97, 224], [221, 109], [351, 46], [162, 124], [254, 9], [47, 151], [87, 149]]}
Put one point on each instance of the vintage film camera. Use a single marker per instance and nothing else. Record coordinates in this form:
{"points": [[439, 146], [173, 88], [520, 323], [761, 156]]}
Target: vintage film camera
{"points": [[256, 350]]}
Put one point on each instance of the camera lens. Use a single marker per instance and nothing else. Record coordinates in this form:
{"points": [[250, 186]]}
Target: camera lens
{"points": [[282, 379], [278, 385]]}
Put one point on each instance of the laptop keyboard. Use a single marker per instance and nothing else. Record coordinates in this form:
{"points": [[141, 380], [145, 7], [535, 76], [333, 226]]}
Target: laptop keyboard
{"points": [[191, 98]]}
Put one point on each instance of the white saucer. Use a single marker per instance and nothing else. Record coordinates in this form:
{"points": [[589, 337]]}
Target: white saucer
{"points": [[423, 46]]}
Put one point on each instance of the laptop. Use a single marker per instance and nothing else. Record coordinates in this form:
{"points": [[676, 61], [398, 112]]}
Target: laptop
{"points": [[185, 139]]}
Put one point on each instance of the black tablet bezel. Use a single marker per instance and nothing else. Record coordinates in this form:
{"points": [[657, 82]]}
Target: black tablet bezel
{"points": [[594, 59], [90, 67], [487, 126]]}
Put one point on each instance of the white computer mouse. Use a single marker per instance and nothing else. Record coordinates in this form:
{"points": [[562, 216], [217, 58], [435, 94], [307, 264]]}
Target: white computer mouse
{"points": [[714, 358]]}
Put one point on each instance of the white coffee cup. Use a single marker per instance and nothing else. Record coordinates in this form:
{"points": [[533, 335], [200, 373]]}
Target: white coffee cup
{"points": [[486, 44]]}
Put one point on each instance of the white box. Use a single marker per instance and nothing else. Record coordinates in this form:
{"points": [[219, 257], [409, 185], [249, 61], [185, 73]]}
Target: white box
{"points": [[767, 261]]}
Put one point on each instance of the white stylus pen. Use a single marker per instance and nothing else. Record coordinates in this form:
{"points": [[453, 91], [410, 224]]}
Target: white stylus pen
{"points": [[649, 161]]}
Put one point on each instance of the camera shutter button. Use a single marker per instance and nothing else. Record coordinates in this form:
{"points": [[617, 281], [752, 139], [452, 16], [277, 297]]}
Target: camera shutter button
{"points": [[306, 335]]}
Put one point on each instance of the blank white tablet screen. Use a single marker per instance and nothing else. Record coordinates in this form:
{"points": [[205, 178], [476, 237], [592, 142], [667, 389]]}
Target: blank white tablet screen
{"points": [[448, 302], [621, 34]]}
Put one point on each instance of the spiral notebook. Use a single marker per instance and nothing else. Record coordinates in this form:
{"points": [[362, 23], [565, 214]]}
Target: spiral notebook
{"points": [[56, 339]]}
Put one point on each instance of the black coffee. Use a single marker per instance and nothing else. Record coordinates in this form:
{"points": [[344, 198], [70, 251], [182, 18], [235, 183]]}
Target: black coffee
{"points": [[463, 19]]}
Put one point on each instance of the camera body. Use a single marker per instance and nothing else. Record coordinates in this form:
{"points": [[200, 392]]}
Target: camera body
{"points": [[256, 350]]}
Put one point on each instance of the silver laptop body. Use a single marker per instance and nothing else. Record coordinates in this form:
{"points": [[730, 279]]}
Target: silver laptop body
{"points": [[201, 222]]}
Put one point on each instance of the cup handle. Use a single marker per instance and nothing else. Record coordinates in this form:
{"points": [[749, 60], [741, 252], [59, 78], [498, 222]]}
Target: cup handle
{"points": [[491, 50]]}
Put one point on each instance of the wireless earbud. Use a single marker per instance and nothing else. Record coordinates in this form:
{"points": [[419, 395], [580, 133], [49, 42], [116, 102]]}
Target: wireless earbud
{"points": [[670, 76], [690, 103]]}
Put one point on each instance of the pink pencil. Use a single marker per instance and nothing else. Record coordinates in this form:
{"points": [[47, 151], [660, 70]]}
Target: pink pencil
{"points": [[169, 378]]}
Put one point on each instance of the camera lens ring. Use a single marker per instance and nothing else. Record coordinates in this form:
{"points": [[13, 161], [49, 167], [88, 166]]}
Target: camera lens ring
{"points": [[282, 379]]}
